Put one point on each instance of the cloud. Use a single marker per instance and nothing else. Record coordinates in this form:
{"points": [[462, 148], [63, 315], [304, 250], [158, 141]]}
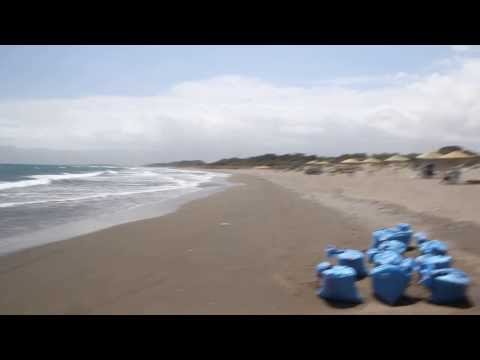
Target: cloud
{"points": [[379, 80], [239, 116], [461, 48], [465, 48]]}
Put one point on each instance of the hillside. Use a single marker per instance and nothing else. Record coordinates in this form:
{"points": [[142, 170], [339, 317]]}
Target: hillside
{"points": [[183, 163], [289, 161]]}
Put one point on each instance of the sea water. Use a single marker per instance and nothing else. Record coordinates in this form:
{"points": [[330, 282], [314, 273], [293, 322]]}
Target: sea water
{"points": [[45, 203]]}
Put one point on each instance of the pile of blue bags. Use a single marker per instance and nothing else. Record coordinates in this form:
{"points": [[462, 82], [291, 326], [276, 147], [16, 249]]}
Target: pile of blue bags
{"points": [[392, 271]]}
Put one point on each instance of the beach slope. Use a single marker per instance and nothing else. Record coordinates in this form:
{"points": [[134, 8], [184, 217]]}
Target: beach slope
{"points": [[250, 249]]}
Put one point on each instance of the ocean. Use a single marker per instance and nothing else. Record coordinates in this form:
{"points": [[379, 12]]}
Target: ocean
{"points": [[46, 203]]}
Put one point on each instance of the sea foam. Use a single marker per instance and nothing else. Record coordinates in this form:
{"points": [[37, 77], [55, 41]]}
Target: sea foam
{"points": [[45, 180]]}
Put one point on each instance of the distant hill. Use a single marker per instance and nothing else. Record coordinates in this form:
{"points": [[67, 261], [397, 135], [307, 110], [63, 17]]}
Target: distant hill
{"points": [[184, 163], [287, 161]]}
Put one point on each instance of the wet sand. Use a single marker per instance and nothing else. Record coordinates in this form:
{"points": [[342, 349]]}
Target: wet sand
{"points": [[251, 249]]}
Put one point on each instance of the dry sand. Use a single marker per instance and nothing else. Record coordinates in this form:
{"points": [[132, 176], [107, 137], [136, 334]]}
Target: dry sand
{"points": [[391, 187], [248, 250]]}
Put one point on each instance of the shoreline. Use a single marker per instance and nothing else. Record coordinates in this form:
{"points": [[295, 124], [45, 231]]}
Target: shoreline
{"points": [[246, 250], [65, 232]]}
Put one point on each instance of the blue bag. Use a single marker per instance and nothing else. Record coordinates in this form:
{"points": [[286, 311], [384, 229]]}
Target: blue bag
{"points": [[400, 232], [338, 284], [408, 265], [394, 245], [349, 257], [447, 285], [403, 236], [435, 247], [389, 282], [331, 251], [424, 262], [371, 253], [420, 238], [387, 257], [320, 268], [380, 234], [403, 227]]}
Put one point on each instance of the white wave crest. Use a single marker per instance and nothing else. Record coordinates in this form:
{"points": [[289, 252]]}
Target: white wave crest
{"points": [[23, 183], [67, 176], [96, 196], [147, 173], [45, 180], [100, 166]]}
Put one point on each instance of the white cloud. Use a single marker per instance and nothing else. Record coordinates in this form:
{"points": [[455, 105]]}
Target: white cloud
{"points": [[370, 80], [238, 116], [461, 48]]}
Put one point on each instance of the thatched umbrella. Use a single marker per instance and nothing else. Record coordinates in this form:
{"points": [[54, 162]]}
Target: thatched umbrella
{"points": [[398, 161], [397, 158], [457, 154], [455, 158], [432, 155], [316, 163], [351, 161], [314, 167], [371, 161], [372, 164]]}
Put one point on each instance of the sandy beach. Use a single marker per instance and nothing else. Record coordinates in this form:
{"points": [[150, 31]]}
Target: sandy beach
{"points": [[250, 249]]}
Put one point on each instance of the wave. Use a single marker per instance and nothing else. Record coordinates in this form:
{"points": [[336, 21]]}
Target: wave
{"points": [[97, 196], [128, 183], [23, 183], [67, 176], [45, 180], [103, 167], [146, 173]]}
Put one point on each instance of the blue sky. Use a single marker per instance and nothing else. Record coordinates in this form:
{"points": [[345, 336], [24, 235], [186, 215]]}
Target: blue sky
{"points": [[74, 71], [163, 103]]}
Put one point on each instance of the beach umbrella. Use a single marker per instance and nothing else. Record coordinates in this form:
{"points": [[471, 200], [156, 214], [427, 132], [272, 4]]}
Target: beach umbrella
{"points": [[316, 162], [432, 155], [456, 157], [397, 158], [457, 154], [351, 161], [371, 161]]}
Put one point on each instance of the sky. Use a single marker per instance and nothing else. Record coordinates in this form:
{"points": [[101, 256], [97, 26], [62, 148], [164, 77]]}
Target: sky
{"points": [[139, 104]]}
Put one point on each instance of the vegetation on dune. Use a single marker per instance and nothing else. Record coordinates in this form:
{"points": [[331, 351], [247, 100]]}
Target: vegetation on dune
{"points": [[184, 163], [448, 149], [292, 161], [287, 161], [356, 156], [412, 156], [383, 156]]}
